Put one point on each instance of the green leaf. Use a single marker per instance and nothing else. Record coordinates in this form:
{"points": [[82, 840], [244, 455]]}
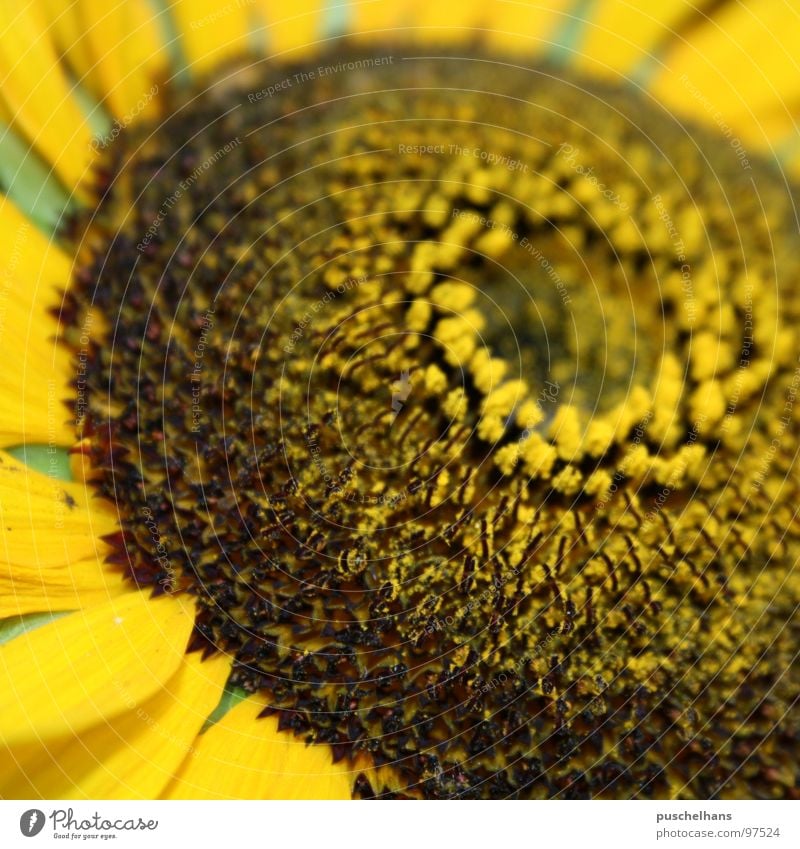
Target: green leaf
{"points": [[231, 697], [50, 460], [14, 626], [30, 183]]}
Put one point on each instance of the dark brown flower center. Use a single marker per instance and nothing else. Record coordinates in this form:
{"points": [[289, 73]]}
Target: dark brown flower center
{"points": [[452, 392]]}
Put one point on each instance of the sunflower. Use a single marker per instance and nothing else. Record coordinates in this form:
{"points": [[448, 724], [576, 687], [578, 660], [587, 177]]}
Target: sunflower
{"points": [[401, 400]]}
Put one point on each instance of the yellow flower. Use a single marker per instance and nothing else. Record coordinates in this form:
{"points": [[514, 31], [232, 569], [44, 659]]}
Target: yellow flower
{"points": [[430, 420]]}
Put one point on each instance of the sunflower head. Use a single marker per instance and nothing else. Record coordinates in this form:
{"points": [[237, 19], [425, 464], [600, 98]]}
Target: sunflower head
{"points": [[447, 402]]}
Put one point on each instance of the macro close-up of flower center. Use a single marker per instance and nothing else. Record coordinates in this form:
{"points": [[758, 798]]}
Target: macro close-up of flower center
{"points": [[447, 403]]}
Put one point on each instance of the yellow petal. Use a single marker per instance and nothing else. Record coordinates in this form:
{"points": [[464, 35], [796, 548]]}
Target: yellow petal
{"points": [[443, 23], [295, 27], [211, 32], [525, 27], [620, 34], [116, 51], [38, 260], [128, 55], [37, 94], [782, 127], [420, 20], [132, 758], [90, 666], [739, 65], [57, 587], [32, 270], [67, 30], [243, 757], [521, 26], [782, 123], [378, 21], [48, 521]]}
